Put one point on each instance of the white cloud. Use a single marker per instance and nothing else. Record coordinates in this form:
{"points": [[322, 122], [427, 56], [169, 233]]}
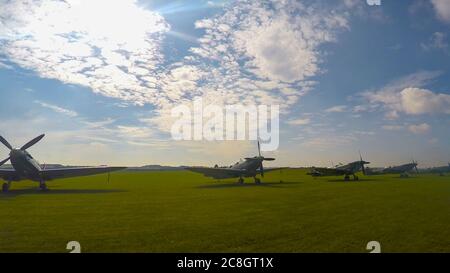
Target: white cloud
{"points": [[437, 41], [241, 58], [5, 66], [105, 45], [254, 52], [352, 3], [98, 124], [57, 109], [419, 128], [393, 127], [336, 109], [421, 101], [442, 8], [134, 131], [215, 4], [304, 121], [263, 33], [323, 143], [238, 59], [408, 96]]}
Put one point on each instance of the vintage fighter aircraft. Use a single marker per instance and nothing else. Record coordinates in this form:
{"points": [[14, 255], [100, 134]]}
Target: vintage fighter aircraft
{"points": [[26, 167], [347, 170], [439, 170], [248, 168], [403, 170]]}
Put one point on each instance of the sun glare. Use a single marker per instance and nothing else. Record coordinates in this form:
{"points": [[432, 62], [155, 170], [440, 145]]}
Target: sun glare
{"points": [[97, 22]]}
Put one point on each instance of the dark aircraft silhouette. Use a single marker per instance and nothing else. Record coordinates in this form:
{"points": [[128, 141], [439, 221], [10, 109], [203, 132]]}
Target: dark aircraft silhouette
{"points": [[248, 168], [404, 169], [26, 167], [345, 170], [439, 170]]}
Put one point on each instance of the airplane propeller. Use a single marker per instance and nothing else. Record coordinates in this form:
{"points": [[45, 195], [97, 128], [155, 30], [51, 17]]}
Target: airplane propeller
{"points": [[415, 165], [24, 147], [362, 162], [261, 167], [4, 161], [32, 142], [6, 143]]}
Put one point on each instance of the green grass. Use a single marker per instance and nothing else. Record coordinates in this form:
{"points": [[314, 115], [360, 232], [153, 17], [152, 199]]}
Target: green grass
{"points": [[185, 212]]}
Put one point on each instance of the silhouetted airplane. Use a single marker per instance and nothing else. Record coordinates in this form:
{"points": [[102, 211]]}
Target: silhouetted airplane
{"points": [[26, 167], [404, 169], [247, 168], [345, 170], [440, 170]]}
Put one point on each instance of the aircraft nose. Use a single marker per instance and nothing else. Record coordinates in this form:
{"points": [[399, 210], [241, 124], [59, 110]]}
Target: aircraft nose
{"points": [[14, 152]]}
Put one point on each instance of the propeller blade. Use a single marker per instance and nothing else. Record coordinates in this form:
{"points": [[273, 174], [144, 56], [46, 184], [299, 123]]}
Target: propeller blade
{"points": [[4, 161], [259, 149], [269, 159], [32, 142], [261, 168], [6, 143], [415, 165], [362, 163]]}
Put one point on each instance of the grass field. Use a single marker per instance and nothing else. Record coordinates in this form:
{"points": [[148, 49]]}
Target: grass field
{"points": [[185, 212]]}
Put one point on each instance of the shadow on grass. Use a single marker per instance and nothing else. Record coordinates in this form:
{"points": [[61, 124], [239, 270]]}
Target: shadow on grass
{"points": [[247, 185], [34, 191], [361, 180]]}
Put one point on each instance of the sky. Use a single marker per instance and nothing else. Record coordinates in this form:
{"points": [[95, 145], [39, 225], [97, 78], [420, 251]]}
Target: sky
{"points": [[100, 78]]}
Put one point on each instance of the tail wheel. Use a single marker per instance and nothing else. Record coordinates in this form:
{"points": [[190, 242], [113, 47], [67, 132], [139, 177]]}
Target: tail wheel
{"points": [[5, 187]]}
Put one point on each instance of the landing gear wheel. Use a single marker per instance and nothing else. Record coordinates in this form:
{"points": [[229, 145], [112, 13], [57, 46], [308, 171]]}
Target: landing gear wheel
{"points": [[241, 181], [5, 187], [356, 178], [43, 187], [257, 181], [347, 178]]}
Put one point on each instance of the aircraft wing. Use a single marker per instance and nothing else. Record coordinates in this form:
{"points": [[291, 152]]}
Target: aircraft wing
{"points": [[8, 175], [374, 171], [273, 169], [51, 174], [327, 172], [217, 173]]}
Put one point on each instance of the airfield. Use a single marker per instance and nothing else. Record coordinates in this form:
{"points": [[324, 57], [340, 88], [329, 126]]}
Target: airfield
{"points": [[181, 211]]}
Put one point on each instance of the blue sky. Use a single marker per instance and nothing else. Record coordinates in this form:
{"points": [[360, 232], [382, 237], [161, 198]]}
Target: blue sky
{"points": [[100, 78]]}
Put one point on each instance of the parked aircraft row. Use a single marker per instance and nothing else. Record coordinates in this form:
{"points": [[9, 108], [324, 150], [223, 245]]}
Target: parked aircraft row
{"points": [[352, 168], [26, 167]]}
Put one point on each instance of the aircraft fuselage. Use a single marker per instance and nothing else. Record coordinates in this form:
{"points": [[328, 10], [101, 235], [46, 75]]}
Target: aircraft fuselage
{"points": [[400, 169], [250, 165], [25, 165]]}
